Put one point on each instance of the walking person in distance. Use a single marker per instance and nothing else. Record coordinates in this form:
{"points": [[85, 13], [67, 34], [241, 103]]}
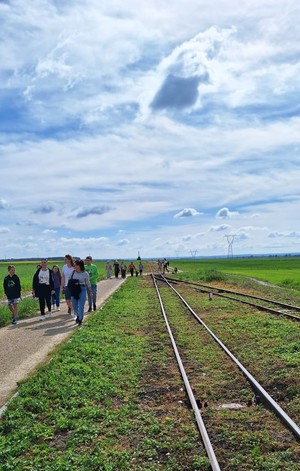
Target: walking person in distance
{"points": [[92, 270], [12, 289], [43, 287], [66, 274], [79, 284]]}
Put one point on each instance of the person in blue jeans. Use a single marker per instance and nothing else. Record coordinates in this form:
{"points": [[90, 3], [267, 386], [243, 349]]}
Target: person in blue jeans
{"points": [[83, 281], [57, 282]]}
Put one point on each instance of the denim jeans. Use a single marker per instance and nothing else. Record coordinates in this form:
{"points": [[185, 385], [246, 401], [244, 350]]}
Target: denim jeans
{"points": [[92, 297], [56, 297], [78, 304]]}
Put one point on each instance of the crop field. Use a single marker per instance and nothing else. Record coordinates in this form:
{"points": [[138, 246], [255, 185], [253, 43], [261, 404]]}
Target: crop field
{"points": [[283, 271], [112, 397]]}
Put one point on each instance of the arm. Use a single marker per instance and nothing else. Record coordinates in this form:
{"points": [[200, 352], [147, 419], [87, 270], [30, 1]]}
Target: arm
{"points": [[62, 282]]}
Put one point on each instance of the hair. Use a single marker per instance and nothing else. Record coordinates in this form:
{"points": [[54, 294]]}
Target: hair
{"points": [[80, 263], [89, 258], [58, 271], [10, 267], [69, 257]]}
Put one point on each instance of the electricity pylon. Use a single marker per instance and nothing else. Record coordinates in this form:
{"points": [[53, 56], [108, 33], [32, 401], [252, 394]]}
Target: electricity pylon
{"points": [[230, 239]]}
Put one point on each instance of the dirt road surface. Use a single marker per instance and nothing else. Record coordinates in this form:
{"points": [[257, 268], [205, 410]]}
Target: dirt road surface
{"points": [[24, 346]]}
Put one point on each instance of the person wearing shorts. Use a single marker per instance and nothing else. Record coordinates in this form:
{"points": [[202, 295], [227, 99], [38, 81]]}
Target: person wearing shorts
{"points": [[12, 289], [66, 273]]}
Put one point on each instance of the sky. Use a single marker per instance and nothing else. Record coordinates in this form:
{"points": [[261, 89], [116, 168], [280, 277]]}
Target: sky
{"points": [[155, 128]]}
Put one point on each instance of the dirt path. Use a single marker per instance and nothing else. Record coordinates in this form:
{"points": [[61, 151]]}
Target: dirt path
{"points": [[25, 346]]}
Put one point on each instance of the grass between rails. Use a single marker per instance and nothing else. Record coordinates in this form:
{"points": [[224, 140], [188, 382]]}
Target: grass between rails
{"points": [[109, 401], [100, 403], [250, 437]]}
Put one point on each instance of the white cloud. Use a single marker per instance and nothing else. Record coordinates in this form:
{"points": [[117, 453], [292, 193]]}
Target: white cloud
{"points": [[88, 156], [222, 227], [224, 213], [49, 231], [187, 213]]}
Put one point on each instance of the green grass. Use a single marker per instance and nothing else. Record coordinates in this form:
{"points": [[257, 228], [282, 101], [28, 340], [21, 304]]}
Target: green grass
{"points": [[82, 411], [112, 398], [283, 271]]}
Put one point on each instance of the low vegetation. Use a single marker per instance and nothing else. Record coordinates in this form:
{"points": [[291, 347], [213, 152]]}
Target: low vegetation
{"points": [[112, 398]]}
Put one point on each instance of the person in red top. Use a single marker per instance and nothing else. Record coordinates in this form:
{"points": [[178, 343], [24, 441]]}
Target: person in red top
{"points": [[131, 268]]}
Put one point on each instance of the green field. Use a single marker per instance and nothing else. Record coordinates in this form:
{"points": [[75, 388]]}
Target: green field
{"points": [[109, 398], [283, 271]]}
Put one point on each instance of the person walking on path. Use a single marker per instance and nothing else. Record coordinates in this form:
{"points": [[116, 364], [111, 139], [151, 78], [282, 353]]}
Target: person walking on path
{"points": [[43, 287], [141, 268], [12, 289], [78, 296], [66, 273], [57, 283], [116, 268], [92, 270], [131, 268], [123, 270], [108, 269]]}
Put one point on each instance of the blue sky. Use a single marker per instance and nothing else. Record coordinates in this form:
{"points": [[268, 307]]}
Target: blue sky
{"points": [[129, 127]]}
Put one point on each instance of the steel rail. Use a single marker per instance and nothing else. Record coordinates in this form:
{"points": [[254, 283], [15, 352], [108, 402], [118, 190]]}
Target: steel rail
{"points": [[223, 290], [257, 306], [261, 391], [201, 426]]}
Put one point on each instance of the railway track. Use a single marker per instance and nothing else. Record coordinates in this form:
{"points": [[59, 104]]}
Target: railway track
{"points": [[268, 305], [192, 388]]}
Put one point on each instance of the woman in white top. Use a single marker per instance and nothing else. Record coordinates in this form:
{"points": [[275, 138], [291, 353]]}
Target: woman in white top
{"points": [[66, 273]]}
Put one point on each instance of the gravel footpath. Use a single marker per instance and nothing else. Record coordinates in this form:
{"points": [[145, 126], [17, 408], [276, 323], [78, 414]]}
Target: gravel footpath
{"points": [[24, 346]]}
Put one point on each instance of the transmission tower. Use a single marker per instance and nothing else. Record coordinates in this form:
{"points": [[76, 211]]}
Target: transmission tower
{"points": [[193, 253], [230, 239]]}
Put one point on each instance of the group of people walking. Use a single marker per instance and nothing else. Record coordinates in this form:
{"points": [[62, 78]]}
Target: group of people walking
{"points": [[121, 268], [77, 280]]}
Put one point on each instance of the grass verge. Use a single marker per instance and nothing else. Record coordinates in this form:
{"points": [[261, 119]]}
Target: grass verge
{"points": [[100, 404]]}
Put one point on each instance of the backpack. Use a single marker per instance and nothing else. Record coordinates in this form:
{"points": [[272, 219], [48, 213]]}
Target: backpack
{"points": [[74, 287]]}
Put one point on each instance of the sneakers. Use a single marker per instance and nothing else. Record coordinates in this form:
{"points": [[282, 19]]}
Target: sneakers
{"points": [[69, 310], [14, 322], [73, 315], [94, 307], [49, 314], [89, 309], [58, 308], [77, 320], [42, 318]]}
